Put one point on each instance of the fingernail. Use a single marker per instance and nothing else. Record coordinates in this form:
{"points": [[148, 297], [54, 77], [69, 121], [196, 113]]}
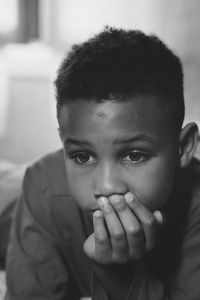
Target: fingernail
{"points": [[159, 217], [117, 201], [104, 204], [97, 214], [129, 197]]}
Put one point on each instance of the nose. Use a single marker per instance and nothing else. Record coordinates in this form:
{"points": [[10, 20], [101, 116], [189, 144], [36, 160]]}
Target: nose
{"points": [[108, 181]]}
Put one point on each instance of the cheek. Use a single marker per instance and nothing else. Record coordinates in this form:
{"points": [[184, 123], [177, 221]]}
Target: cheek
{"points": [[156, 192], [80, 187], [153, 185]]}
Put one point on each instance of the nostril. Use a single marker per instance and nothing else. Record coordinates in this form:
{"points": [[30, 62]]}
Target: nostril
{"points": [[97, 196]]}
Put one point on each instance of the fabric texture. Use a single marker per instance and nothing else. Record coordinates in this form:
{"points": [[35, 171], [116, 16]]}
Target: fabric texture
{"points": [[11, 178]]}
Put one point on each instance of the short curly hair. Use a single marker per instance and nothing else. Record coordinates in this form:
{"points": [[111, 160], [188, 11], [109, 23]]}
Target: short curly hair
{"points": [[121, 63]]}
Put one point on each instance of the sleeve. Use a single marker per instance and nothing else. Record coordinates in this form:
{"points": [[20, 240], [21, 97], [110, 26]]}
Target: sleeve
{"points": [[181, 284], [111, 283], [34, 268]]}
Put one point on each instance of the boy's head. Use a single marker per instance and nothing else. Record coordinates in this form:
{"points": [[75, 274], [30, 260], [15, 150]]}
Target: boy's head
{"points": [[120, 109], [117, 64]]}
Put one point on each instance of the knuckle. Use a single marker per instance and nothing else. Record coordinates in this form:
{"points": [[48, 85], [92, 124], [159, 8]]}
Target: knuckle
{"points": [[101, 239], [150, 222], [118, 235], [135, 231]]}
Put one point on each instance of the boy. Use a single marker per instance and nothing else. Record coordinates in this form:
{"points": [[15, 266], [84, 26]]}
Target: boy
{"points": [[90, 223]]}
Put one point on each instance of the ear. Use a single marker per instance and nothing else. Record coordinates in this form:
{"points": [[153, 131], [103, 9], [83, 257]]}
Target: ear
{"points": [[188, 143], [60, 133]]}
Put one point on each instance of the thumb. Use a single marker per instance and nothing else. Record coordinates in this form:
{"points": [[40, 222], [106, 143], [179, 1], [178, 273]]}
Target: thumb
{"points": [[160, 218], [89, 246]]}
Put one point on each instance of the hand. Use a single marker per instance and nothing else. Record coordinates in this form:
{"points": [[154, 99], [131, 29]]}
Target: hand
{"points": [[124, 229]]}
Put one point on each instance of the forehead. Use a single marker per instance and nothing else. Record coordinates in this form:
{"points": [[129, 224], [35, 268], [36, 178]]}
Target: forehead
{"points": [[142, 115]]}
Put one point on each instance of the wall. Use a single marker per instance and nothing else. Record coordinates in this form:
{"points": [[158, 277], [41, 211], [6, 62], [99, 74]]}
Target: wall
{"points": [[27, 107]]}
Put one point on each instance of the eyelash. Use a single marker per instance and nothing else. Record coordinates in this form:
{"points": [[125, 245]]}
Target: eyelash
{"points": [[75, 156]]}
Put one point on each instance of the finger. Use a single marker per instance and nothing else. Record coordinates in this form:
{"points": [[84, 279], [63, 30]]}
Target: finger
{"points": [[146, 218], [160, 219], [103, 251], [89, 246], [116, 231], [134, 232]]}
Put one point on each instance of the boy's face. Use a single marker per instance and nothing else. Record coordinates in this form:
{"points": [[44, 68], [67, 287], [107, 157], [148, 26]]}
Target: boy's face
{"points": [[115, 147]]}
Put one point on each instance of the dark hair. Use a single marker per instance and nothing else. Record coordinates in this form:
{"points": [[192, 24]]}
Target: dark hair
{"points": [[120, 63]]}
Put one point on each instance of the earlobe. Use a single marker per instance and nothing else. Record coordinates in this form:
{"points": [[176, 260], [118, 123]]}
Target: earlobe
{"points": [[188, 143]]}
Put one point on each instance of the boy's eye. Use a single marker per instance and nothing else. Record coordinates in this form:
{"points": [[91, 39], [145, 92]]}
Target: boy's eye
{"points": [[83, 158], [135, 156]]}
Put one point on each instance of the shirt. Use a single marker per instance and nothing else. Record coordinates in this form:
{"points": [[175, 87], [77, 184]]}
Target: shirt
{"points": [[46, 259]]}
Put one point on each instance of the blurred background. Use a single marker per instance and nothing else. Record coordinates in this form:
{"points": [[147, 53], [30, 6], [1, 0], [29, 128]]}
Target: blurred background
{"points": [[34, 36]]}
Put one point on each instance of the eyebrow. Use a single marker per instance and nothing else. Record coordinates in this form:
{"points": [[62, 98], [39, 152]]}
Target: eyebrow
{"points": [[137, 138], [70, 141]]}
